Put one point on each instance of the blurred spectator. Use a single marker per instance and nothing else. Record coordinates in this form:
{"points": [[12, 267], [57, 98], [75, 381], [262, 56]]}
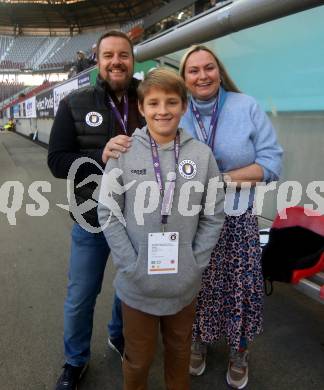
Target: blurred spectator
{"points": [[72, 72], [168, 24], [92, 59], [10, 126], [213, 3], [204, 5], [136, 33], [82, 62]]}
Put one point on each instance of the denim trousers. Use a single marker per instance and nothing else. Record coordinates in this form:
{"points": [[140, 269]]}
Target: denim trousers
{"points": [[89, 254]]}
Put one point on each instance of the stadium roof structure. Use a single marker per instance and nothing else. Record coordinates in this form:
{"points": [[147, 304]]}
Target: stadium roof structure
{"points": [[51, 14]]}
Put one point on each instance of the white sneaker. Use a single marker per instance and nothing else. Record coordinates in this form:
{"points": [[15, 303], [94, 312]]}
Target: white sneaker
{"points": [[238, 370], [198, 358]]}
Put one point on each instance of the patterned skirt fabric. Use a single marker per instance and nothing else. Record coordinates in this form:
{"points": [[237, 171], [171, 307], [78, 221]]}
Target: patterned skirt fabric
{"points": [[230, 301]]}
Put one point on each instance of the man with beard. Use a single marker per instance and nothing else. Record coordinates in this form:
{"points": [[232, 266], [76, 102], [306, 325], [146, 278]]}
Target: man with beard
{"points": [[95, 123]]}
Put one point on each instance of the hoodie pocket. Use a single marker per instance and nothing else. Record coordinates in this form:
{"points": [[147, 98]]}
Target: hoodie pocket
{"points": [[184, 282]]}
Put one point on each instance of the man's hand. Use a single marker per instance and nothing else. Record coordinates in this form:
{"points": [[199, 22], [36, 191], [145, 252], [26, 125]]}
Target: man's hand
{"points": [[115, 146]]}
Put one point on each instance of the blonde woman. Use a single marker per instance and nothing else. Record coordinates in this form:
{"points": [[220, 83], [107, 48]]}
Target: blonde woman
{"points": [[240, 134]]}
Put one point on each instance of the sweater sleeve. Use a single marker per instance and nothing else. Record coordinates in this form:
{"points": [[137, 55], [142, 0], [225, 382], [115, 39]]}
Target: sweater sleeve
{"points": [[268, 151], [63, 147], [210, 223], [111, 218]]}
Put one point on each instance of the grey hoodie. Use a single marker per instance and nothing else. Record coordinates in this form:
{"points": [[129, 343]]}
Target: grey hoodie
{"points": [[198, 234]]}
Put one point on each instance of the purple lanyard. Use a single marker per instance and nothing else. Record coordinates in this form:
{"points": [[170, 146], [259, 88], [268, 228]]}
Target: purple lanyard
{"points": [[167, 194], [212, 125], [122, 121]]}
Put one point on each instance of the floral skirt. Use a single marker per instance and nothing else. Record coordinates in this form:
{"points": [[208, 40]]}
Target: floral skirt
{"points": [[230, 301]]}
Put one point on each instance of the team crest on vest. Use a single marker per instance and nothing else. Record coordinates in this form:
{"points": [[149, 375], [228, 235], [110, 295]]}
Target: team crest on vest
{"points": [[93, 119], [188, 169]]}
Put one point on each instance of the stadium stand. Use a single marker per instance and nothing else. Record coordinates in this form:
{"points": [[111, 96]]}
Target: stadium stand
{"points": [[5, 43], [43, 52], [47, 53], [36, 45], [55, 45], [27, 91], [21, 51], [64, 54], [8, 89]]}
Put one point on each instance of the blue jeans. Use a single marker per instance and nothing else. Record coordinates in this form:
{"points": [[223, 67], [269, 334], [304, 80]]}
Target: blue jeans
{"points": [[115, 326], [89, 254]]}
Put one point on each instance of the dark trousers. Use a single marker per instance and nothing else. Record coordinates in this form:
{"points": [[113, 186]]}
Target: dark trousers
{"points": [[141, 335]]}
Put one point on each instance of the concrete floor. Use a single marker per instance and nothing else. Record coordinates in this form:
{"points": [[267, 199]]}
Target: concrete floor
{"points": [[33, 262]]}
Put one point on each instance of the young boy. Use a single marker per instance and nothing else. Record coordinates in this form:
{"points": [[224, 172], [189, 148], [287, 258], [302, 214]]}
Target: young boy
{"points": [[152, 211]]}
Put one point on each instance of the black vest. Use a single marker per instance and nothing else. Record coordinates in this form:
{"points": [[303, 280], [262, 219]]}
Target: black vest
{"points": [[95, 124]]}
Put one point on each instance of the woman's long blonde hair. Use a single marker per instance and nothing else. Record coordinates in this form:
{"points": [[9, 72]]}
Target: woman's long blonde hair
{"points": [[226, 82]]}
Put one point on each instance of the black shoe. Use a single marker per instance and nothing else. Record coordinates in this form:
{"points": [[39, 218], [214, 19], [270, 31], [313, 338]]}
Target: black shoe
{"points": [[117, 344], [70, 377]]}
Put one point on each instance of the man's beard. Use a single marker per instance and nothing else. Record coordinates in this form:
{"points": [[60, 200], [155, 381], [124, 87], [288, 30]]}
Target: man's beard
{"points": [[119, 86]]}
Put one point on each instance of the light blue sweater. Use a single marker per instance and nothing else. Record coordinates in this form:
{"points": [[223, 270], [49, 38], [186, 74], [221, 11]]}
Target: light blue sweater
{"points": [[244, 134]]}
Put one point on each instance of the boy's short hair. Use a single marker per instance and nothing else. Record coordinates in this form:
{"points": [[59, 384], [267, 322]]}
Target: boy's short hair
{"points": [[165, 79]]}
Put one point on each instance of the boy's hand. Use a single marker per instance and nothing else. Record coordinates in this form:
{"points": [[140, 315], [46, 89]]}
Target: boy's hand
{"points": [[115, 146]]}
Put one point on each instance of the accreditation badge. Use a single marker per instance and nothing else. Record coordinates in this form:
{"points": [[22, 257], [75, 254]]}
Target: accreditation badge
{"points": [[163, 253]]}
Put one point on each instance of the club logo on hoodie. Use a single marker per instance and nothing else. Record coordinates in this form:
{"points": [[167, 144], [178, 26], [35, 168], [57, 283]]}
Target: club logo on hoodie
{"points": [[188, 169], [93, 119]]}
